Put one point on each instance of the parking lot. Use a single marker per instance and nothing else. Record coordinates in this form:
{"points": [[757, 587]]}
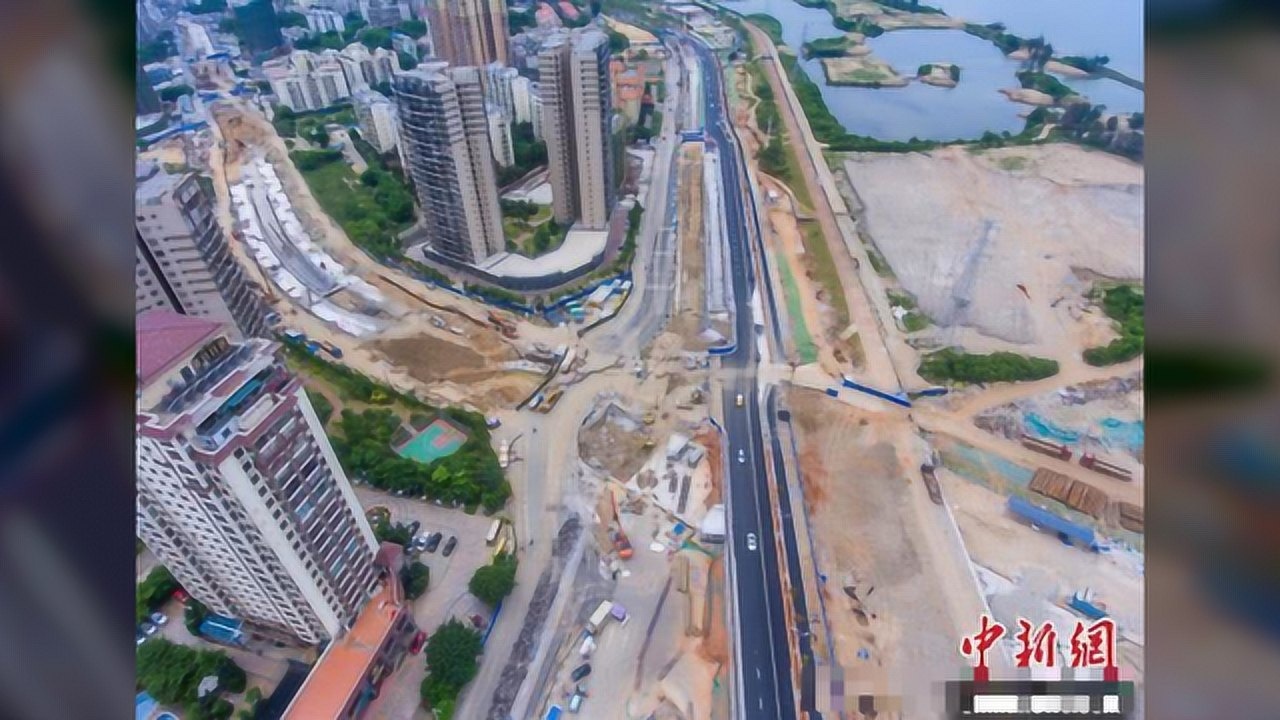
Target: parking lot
{"points": [[446, 595]]}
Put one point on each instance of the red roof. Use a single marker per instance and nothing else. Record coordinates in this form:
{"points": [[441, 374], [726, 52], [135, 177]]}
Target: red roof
{"points": [[163, 337]]}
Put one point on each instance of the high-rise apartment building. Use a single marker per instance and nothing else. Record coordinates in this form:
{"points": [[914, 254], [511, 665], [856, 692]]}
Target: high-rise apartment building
{"points": [[239, 493], [444, 139], [183, 263], [499, 89], [364, 68], [322, 20], [376, 116], [577, 116], [304, 80], [469, 32], [385, 13], [521, 99], [500, 137]]}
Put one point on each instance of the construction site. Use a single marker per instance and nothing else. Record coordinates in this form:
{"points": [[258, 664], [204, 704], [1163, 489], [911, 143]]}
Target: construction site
{"points": [[381, 322]]}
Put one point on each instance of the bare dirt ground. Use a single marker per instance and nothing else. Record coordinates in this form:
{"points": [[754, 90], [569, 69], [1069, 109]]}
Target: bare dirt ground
{"points": [[689, 318], [998, 247], [878, 537], [1032, 574]]}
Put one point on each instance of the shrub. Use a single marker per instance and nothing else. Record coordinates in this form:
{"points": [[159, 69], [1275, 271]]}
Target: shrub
{"points": [[950, 364], [153, 591], [495, 581], [416, 578], [1125, 305]]}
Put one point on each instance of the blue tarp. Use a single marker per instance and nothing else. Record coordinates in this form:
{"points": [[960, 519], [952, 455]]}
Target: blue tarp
{"points": [[144, 705], [1050, 521], [223, 629]]}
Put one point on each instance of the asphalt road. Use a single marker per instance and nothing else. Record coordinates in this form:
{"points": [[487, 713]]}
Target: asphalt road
{"points": [[764, 660]]}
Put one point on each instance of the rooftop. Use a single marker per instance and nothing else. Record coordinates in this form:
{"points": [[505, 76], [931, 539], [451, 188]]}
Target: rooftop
{"points": [[578, 249], [163, 337], [343, 666]]}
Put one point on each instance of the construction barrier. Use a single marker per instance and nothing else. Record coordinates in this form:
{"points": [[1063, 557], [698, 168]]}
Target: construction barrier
{"points": [[895, 399]]}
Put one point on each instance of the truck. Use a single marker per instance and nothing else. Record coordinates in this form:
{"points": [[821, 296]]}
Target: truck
{"points": [[550, 402], [332, 349], [504, 455], [1090, 461], [931, 483], [600, 616], [1083, 603], [294, 335], [1044, 447]]}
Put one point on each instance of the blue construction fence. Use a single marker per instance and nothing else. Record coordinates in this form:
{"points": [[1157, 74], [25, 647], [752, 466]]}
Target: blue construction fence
{"points": [[493, 620], [848, 382]]}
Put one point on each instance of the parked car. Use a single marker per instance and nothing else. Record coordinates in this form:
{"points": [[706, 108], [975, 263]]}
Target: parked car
{"points": [[742, 456], [738, 400], [418, 641], [449, 546], [751, 541], [159, 618], [414, 527], [580, 672], [181, 596], [148, 629], [139, 638], [433, 542]]}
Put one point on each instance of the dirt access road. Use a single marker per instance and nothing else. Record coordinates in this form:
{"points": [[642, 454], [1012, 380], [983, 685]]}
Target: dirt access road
{"points": [[880, 370]]}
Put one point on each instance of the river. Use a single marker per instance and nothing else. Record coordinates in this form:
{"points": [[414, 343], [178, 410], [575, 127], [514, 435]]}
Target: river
{"points": [[974, 106]]}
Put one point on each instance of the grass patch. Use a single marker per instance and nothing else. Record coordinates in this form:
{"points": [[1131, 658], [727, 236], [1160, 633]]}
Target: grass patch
{"points": [[1012, 163], [1124, 304], [952, 365], [1045, 83], [372, 208], [823, 267], [878, 263], [805, 348], [826, 47], [901, 299], [914, 322], [769, 25]]}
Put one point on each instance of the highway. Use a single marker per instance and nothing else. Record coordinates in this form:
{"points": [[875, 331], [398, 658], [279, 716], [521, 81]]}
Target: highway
{"points": [[762, 655]]}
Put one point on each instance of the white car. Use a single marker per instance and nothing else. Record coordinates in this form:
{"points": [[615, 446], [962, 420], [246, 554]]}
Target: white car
{"points": [[148, 629], [159, 618], [738, 400], [751, 541], [742, 456]]}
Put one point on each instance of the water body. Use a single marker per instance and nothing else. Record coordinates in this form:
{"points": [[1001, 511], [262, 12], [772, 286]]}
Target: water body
{"points": [[975, 105]]}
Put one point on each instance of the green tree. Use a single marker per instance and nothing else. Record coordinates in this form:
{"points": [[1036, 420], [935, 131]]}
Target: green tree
{"points": [[413, 28], [194, 614], [376, 37], [159, 49], [617, 42], [153, 591], [407, 61], [397, 533], [518, 20], [173, 92], [289, 18], [415, 577], [207, 7], [1137, 120], [451, 661], [493, 582]]}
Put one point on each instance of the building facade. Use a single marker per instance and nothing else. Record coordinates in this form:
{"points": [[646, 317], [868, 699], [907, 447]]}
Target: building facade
{"points": [[364, 68], [322, 20], [376, 116], [577, 118], [239, 493], [444, 140], [499, 87], [469, 32], [183, 263], [500, 137], [385, 13], [304, 80]]}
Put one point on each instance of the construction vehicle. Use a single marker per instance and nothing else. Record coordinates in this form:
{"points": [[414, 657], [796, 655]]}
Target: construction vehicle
{"points": [[600, 616], [621, 543], [649, 418], [506, 327], [1044, 447], [547, 405], [332, 349], [1090, 461], [931, 483], [1084, 603]]}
